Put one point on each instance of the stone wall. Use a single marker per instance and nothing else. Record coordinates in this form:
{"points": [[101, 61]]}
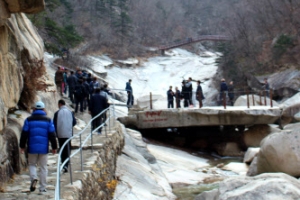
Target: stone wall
{"points": [[99, 181]]}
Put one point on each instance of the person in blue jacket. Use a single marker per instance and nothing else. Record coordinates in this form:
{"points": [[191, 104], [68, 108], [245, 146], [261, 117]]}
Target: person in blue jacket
{"points": [[130, 98], [37, 131], [171, 96], [223, 89]]}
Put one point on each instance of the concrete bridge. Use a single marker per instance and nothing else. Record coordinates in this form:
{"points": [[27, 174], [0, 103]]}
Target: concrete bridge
{"points": [[206, 116]]}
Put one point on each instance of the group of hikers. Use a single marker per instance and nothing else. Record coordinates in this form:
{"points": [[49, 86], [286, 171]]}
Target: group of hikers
{"points": [[185, 94], [39, 130], [84, 91]]}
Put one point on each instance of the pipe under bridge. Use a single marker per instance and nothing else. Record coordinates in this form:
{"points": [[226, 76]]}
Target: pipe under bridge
{"points": [[194, 40]]}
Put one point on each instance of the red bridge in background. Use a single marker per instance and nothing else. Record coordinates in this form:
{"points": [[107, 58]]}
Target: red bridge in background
{"points": [[194, 40]]}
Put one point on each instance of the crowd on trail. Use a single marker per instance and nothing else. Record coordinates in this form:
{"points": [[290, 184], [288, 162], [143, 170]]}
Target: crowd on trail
{"points": [[84, 91]]}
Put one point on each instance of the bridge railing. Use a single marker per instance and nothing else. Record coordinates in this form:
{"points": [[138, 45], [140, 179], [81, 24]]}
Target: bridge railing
{"points": [[192, 40], [223, 99], [60, 165]]}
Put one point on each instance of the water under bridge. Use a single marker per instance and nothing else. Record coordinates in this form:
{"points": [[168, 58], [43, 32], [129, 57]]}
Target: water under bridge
{"points": [[205, 116]]}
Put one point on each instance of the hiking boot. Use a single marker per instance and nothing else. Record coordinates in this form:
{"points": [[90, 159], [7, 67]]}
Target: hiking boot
{"points": [[65, 169], [33, 185], [44, 191]]}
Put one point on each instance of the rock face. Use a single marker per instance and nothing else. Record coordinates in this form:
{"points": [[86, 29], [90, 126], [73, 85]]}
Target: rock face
{"points": [[255, 134], [280, 152], [30, 7], [290, 107], [265, 186], [21, 52]]}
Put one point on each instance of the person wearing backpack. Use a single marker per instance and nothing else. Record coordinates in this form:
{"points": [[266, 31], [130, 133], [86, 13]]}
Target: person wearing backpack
{"points": [[79, 94]]}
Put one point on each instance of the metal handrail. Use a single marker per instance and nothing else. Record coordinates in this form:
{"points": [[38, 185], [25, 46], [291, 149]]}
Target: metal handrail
{"points": [[90, 136]]}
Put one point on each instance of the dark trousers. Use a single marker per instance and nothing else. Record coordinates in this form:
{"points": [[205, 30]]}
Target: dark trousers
{"points": [[71, 94], [86, 102], [191, 98], [79, 101], [129, 99], [170, 104], [97, 122], [66, 151]]}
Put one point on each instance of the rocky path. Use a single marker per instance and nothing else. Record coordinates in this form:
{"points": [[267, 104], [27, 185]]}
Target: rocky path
{"points": [[18, 188]]}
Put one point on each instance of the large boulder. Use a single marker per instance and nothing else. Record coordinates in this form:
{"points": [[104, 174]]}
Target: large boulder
{"points": [[280, 152], [265, 186], [250, 155], [255, 134], [290, 107]]}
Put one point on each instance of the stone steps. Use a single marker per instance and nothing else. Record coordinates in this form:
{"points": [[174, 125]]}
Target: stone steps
{"points": [[18, 188]]}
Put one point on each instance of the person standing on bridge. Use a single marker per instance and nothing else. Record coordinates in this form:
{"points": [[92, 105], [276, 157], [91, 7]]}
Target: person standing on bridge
{"points": [[266, 88], [189, 90], [64, 121], [170, 95], [37, 131], [223, 90], [199, 94], [177, 97], [130, 98]]}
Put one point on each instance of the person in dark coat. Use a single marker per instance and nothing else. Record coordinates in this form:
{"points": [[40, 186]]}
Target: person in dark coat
{"points": [[185, 95], [37, 131], [93, 85], [98, 103], [170, 95], [86, 100], [80, 95], [189, 89], [130, 98], [72, 82], [59, 79], [231, 92], [223, 89], [177, 97], [199, 93]]}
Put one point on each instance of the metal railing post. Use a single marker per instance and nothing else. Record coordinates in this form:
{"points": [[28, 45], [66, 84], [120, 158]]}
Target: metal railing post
{"points": [[253, 101], [260, 103], [80, 153], [271, 98], [265, 97], [151, 100], [248, 103]]}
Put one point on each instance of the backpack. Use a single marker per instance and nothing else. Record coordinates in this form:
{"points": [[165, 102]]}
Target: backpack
{"points": [[78, 92]]}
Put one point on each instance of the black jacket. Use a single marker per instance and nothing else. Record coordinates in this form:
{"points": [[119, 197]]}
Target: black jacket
{"points": [[98, 103], [72, 81]]}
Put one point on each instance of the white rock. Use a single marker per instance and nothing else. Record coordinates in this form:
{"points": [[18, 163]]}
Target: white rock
{"points": [[240, 168], [250, 154]]}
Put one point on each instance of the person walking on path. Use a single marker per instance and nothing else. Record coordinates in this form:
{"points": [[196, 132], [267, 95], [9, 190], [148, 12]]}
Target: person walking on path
{"points": [[170, 95], [37, 131], [223, 89], [86, 100], [130, 98], [72, 82], [80, 95], [199, 94], [231, 92], [65, 83], [98, 103], [64, 121], [93, 85], [177, 97], [59, 79]]}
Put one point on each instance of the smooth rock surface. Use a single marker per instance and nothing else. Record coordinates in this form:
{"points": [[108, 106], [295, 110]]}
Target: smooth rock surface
{"points": [[290, 108], [141, 177], [280, 152], [250, 154], [266, 186], [255, 134]]}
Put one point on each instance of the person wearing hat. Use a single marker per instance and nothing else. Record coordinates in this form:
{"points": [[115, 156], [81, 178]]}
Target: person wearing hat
{"points": [[199, 93], [37, 131]]}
